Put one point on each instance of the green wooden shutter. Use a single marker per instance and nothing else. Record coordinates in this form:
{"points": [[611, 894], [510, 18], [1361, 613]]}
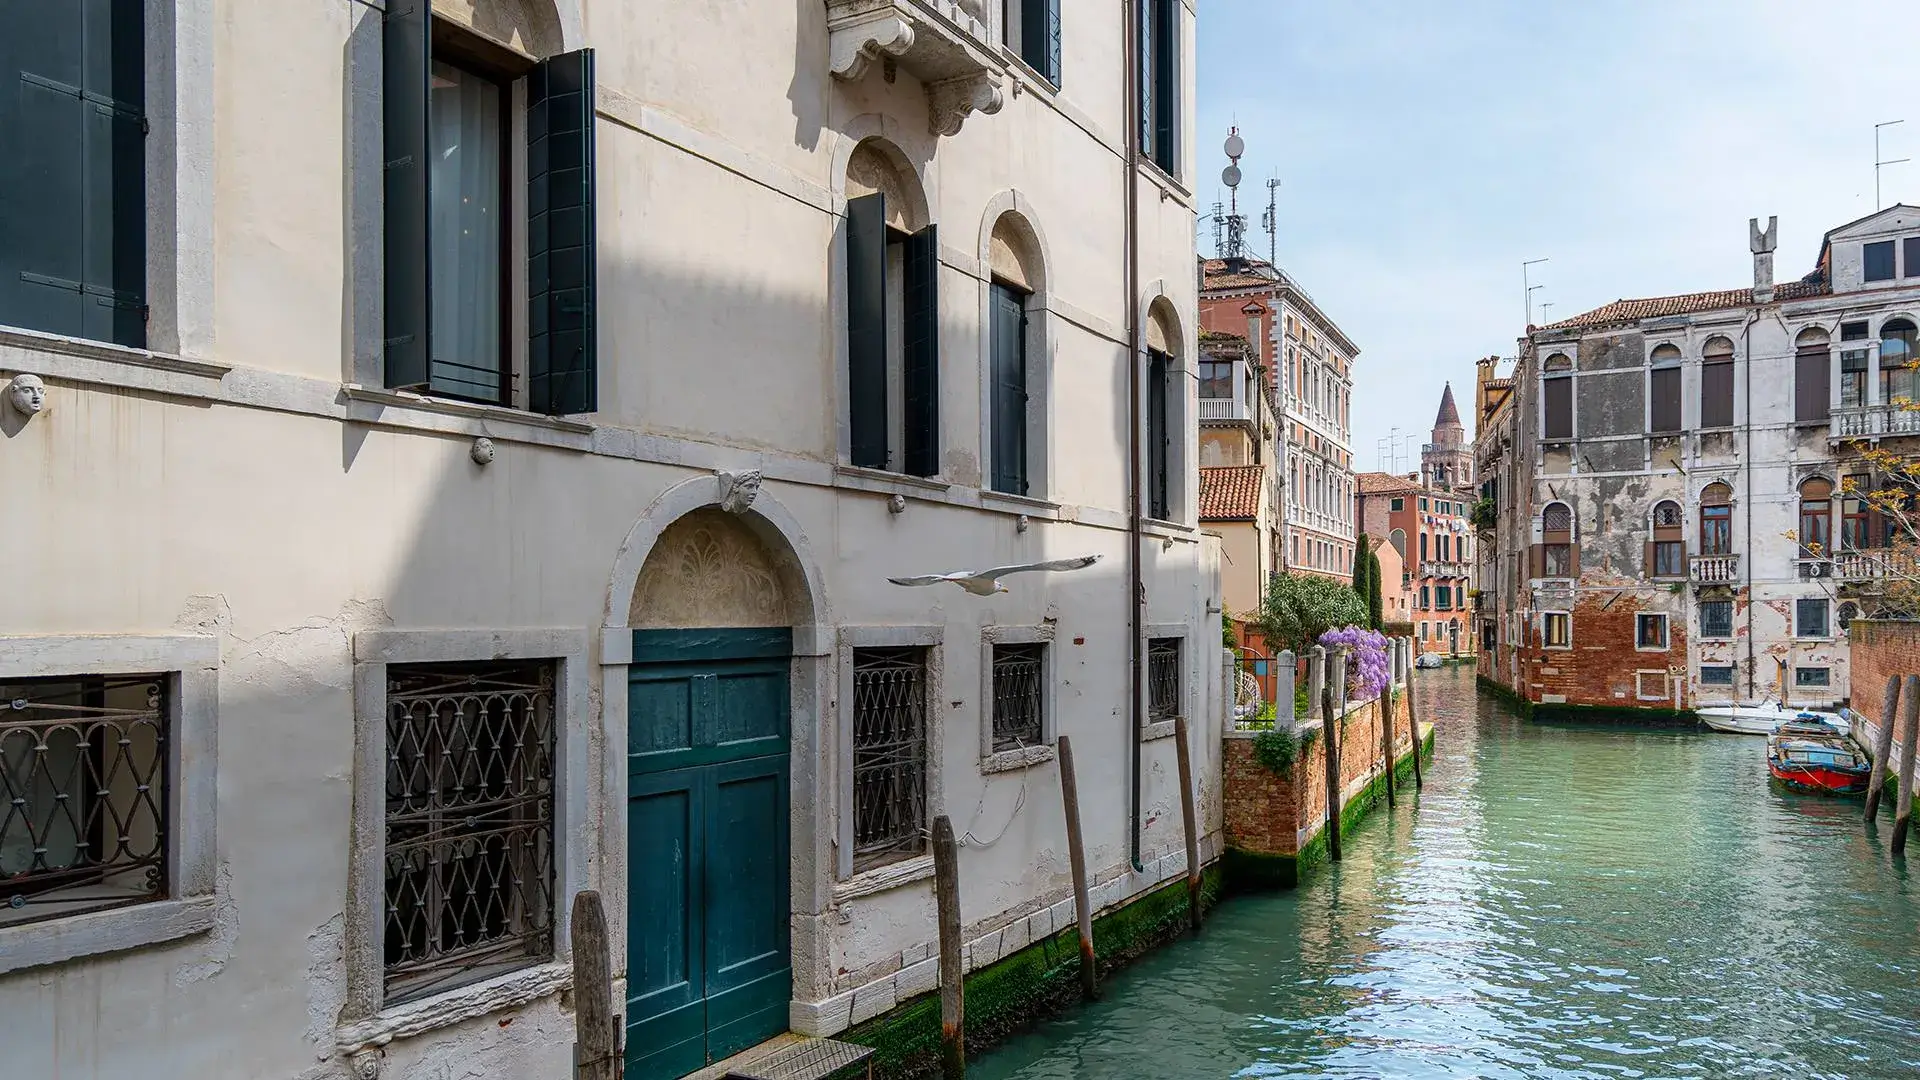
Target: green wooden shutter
{"points": [[73, 185], [1157, 435], [407, 63], [561, 375], [867, 330], [1008, 396], [1040, 37], [1143, 74], [921, 352], [1166, 80]]}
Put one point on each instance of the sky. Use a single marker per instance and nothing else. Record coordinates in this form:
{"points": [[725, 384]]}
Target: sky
{"points": [[1425, 150]]}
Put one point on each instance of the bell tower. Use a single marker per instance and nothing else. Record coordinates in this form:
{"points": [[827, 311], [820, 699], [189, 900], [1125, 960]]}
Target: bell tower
{"points": [[1446, 463]]}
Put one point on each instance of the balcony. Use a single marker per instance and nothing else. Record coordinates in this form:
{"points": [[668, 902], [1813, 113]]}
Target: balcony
{"points": [[1224, 410], [1873, 421], [947, 44], [1714, 569], [1874, 565]]}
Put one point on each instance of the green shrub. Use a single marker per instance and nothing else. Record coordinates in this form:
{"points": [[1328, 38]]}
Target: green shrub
{"points": [[1276, 748]]}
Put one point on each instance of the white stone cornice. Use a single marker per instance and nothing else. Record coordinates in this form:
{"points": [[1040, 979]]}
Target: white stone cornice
{"points": [[855, 45]]}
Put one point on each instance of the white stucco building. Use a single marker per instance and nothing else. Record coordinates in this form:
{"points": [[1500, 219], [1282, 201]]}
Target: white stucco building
{"points": [[475, 445]]}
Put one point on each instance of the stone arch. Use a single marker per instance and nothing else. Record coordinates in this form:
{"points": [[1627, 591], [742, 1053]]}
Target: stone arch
{"points": [[1162, 331], [909, 159], [1812, 336], [539, 28]]}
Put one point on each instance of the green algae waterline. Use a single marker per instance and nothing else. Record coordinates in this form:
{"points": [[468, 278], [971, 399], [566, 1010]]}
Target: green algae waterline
{"points": [[1561, 901]]}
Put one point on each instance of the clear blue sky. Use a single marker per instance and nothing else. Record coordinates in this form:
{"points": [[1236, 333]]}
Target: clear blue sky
{"points": [[1426, 149]]}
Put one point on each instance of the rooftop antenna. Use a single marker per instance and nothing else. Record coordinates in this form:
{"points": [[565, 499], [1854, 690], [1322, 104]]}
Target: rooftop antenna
{"points": [[1236, 225], [1544, 305], [1270, 221], [1219, 221], [1524, 280], [1877, 162]]}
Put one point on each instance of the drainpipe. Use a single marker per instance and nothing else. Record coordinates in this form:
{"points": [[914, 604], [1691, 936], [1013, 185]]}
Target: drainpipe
{"points": [[1746, 433], [1136, 588]]}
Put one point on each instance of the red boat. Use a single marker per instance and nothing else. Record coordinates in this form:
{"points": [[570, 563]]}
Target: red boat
{"points": [[1808, 755]]}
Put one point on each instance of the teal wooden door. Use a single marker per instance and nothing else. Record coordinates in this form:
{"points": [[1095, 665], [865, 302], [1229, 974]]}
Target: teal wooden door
{"points": [[708, 968]]}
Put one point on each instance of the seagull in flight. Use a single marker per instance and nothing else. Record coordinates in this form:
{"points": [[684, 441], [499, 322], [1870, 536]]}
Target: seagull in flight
{"points": [[986, 582]]}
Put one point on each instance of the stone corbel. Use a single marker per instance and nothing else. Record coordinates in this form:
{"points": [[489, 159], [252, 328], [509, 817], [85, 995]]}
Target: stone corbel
{"points": [[950, 101], [853, 47]]}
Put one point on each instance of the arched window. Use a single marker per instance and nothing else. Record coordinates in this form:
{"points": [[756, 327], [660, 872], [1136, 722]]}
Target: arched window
{"points": [[1856, 515], [1015, 361], [1398, 538], [893, 361], [1556, 390], [1164, 398], [1663, 389], [1816, 518], [1559, 555], [1897, 359], [1716, 520], [1716, 383], [1810, 376], [1667, 545]]}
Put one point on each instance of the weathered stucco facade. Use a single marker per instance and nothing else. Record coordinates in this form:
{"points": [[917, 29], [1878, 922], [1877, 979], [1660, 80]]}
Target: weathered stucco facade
{"points": [[243, 511]]}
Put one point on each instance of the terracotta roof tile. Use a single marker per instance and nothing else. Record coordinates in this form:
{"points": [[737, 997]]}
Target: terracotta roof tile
{"points": [[1379, 483], [1230, 492], [1655, 307]]}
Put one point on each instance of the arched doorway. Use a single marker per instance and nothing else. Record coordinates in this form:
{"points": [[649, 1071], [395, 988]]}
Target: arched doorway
{"points": [[709, 718]]}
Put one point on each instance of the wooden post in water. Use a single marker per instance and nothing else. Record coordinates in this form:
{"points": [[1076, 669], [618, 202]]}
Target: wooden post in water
{"points": [[1385, 706], [1330, 745], [953, 1004], [1184, 754], [596, 1039], [1413, 716], [1882, 746], [1909, 735], [1077, 858]]}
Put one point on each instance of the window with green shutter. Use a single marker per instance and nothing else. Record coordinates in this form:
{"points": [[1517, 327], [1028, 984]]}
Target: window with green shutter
{"points": [[73, 213], [1032, 29], [1159, 493], [893, 346], [1008, 393], [1158, 54]]}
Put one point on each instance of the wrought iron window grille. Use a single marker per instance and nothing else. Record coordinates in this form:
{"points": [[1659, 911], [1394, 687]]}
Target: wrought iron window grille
{"points": [[469, 823], [85, 780], [1019, 675], [1163, 679], [889, 755]]}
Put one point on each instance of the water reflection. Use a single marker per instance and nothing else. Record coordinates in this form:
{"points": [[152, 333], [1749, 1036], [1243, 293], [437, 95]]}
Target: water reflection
{"points": [[1565, 902]]}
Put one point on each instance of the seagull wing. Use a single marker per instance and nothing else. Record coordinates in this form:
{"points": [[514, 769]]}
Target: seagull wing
{"points": [[1077, 563], [923, 579]]}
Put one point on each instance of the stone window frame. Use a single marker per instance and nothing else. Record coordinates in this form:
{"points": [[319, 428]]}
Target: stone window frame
{"points": [[1701, 623], [1731, 670], [1640, 682], [847, 884], [365, 1021], [1546, 637], [1008, 760], [1666, 632], [1826, 619], [1163, 729], [192, 665], [1824, 669]]}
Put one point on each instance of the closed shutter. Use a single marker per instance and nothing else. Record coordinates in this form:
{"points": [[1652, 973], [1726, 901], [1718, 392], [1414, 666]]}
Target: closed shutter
{"points": [[73, 190], [1143, 75], [407, 61], [1157, 499], [1910, 257], [1810, 385], [1008, 396], [921, 352], [1538, 560], [1559, 408], [1716, 394], [1664, 389], [561, 343], [867, 330], [1040, 37], [1166, 70]]}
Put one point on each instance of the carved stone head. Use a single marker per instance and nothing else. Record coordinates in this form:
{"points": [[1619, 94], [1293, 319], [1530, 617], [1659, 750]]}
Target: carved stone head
{"points": [[27, 394], [738, 490]]}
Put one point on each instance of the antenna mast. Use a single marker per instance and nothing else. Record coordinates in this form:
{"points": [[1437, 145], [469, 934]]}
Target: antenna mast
{"points": [[1270, 221], [1236, 224]]}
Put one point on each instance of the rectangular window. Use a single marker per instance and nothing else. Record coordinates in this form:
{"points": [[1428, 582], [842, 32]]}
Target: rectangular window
{"points": [[1557, 560], [1397, 504], [469, 823], [1650, 631], [84, 769], [1159, 434], [1423, 504], [1163, 679], [1856, 517], [1810, 384], [1663, 388], [1876, 261], [1810, 618], [1650, 685], [1853, 331], [889, 755], [1444, 594], [1009, 390], [1716, 619], [1669, 558], [467, 141], [1446, 548], [1716, 393], [1032, 29], [1557, 630], [1019, 677], [1558, 418], [1716, 675], [1425, 595], [1216, 378], [1910, 257], [1812, 678], [892, 342], [1159, 78]]}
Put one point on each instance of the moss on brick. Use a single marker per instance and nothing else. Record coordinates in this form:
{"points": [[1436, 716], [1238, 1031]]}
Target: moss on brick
{"points": [[1615, 714], [1040, 980], [1507, 694]]}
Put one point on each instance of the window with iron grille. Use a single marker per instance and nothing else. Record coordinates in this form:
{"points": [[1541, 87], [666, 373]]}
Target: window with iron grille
{"points": [[1163, 679], [1716, 619], [1810, 618], [84, 790], [1019, 677], [889, 755], [1716, 675], [469, 823], [1812, 677]]}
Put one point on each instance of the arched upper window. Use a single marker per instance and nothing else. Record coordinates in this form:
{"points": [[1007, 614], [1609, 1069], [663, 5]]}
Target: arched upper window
{"points": [[1556, 394], [1666, 356], [1015, 364], [1716, 519], [1663, 390], [1716, 383], [1897, 360], [1398, 538], [893, 351], [1666, 545], [1810, 375], [1559, 554], [1816, 518], [1163, 398]]}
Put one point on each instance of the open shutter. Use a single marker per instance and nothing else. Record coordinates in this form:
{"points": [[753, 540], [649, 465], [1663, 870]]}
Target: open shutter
{"points": [[921, 352], [73, 196], [1537, 560], [407, 61], [561, 376], [1040, 37], [1009, 391], [867, 330], [1166, 70], [1157, 436]]}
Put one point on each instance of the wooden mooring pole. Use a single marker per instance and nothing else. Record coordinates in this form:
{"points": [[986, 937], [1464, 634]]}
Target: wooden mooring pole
{"points": [[1413, 714], [1188, 815], [953, 1001], [1330, 749], [596, 1040], [1385, 706], [1077, 856], [1882, 746], [1909, 735]]}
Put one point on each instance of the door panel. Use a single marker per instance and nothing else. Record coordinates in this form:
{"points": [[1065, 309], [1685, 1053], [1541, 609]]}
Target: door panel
{"points": [[748, 973], [666, 978]]}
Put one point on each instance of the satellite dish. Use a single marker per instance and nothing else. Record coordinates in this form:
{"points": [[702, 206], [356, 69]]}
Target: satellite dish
{"points": [[1230, 176], [1235, 146]]}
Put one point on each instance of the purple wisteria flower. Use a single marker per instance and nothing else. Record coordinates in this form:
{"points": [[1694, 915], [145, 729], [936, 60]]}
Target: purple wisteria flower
{"points": [[1368, 669]]}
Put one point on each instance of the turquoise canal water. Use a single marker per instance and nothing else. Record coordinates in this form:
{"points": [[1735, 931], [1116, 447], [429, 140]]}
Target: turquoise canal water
{"points": [[1564, 902]]}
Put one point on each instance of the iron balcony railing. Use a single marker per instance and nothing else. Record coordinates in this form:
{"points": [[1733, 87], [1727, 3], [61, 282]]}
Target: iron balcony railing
{"points": [[1714, 569], [1870, 421]]}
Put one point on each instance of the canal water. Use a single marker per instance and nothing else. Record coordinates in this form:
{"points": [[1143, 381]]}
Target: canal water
{"points": [[1564, 902]]}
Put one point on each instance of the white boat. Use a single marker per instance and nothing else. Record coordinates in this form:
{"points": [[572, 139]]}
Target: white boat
{"points": [[1761, 719]]}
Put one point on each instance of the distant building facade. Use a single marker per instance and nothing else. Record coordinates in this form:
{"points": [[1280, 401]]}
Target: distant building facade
{"points": [[1240, 496]]}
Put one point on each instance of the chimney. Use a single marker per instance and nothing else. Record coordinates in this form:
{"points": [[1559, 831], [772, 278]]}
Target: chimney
{"points": [[1763, 244]]}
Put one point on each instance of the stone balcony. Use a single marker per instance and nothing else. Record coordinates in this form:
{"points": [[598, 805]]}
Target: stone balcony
{"points": [[949, 45], [1714, 569], [1873, 421], [1873, 565]]}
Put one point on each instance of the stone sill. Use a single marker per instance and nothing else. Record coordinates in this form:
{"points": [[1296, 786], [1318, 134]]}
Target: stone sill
{"points": [[71, 937], [454, 1006], [1161, 729], [882, 878], [882, 482], [402, 409], [1012, 760]]}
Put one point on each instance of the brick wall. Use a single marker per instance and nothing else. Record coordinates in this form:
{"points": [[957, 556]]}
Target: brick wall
{"points": [[1265, 813], [1878, 649], [1602, 666]]}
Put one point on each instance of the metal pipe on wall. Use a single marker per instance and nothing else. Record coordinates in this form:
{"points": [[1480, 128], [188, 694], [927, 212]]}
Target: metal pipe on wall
{"points": [[1136, 587]]}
